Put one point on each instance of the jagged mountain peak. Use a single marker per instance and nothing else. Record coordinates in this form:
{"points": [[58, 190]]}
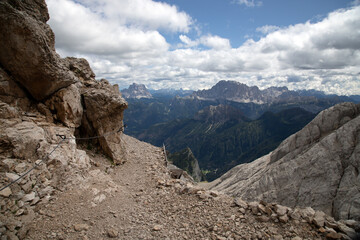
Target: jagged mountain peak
{"points": [[136, 91], [239, 92]]}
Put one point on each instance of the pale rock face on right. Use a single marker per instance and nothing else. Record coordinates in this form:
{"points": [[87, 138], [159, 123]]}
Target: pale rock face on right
{"points": [[317, 166]]}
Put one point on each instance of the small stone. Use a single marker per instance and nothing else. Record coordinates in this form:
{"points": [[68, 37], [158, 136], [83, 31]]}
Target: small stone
{"points": [[46, 191], [296, 238], [27, 186], [21, 167], [20, 212], [319, 219], [157, 227], [351, 223], [265, 209], [333, 235], [277, 237], [240, 203], [6, 192], [263, 218], [81, 227], [284, 219], [35, 201], [329, 230], [11, 236], [12, 176], [280, 210], [307, 212], [242, 210], [330, 222], [295, 214], [254, 207], [29, 197], [100, 198], [347, 230], [112, 233], [214, 193]]}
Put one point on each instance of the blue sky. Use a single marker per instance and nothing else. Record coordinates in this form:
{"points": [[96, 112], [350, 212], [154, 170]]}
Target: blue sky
{"points": [[238, 22], [193, 44]]}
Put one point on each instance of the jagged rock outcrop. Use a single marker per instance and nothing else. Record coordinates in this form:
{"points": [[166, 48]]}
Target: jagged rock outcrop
{"points": [[104, 108], [28, 48], [136, 91], [43, 97], [28, 57], [318, 167]]}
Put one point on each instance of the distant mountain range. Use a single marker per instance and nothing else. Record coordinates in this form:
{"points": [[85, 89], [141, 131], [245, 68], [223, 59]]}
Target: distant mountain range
{"points": [[228, 124], [241, 93], [139, 91]]}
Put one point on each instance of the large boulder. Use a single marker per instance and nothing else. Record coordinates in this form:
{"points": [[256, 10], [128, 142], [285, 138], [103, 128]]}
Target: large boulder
{"points": [[103, 108], [318, 167], [103, 114], [29, 55]]}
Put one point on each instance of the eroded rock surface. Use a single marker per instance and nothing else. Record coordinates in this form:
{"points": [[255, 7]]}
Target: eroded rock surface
{"points": [[317, 166], [28, 51], [41, 99]]}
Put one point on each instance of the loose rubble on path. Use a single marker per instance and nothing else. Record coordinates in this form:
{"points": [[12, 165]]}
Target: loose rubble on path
{"points": [[139, 200]]}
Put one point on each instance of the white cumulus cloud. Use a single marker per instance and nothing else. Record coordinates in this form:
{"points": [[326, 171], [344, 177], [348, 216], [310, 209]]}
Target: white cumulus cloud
{"points": [[210, 41], [123, 42], [249, 3]]}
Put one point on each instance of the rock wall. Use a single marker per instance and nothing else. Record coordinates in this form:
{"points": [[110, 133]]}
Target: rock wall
{"points": [[318, 167], [42, 96], [33, 75]]}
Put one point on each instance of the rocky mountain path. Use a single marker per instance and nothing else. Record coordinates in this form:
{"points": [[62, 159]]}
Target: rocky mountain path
{"points": [[139, 200]]}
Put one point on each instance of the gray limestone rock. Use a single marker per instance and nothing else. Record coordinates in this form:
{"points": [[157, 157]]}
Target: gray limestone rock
{"points": [[103, 115], [30, 54], [317, 166], [67, 105]]}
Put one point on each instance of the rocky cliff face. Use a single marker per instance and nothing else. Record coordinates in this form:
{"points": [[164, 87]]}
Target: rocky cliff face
{"points": [[318, 167], [63, 90], [43, 96], [136, 91]]}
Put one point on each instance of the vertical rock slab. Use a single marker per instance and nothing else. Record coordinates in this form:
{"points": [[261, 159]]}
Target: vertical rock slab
{"points": [[104, 111], [29, 55]]}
